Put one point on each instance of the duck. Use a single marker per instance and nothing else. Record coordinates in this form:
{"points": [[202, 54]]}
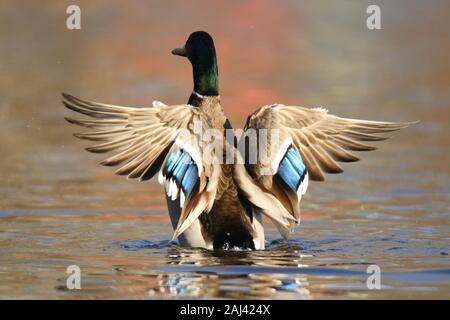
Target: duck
{"points": [[218, 186]]}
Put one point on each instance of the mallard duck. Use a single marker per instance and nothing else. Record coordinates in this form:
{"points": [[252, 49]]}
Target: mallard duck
{"points": [[216, 196]]}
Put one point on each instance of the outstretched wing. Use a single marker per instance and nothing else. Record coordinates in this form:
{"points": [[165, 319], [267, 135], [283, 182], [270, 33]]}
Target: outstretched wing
{"points": [[151, 140], [298, 144]]}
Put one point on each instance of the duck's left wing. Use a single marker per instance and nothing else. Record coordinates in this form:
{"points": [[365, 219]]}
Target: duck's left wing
{"points": [[155, 139], [293, 144]]}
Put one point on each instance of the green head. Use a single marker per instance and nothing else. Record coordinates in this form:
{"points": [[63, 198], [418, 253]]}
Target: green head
{"points": [[200, 51]]}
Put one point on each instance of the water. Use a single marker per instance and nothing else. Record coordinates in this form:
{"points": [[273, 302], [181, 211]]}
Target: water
{"points": [[59, 208]]}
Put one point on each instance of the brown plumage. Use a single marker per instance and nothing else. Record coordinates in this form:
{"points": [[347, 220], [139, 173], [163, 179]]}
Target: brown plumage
{"points": [[213, 204]]}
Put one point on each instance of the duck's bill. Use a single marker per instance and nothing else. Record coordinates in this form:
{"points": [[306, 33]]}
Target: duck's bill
{"points": [[179, 52]]}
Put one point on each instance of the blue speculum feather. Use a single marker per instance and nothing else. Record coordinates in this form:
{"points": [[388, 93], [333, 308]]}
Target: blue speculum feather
{"points": [[189, 179], [173, 159], [296, 160], [292, 169], [183, 170]]}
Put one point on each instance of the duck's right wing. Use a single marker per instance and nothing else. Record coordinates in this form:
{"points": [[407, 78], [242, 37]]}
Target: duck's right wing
{"points": [[295, 144], [157, 139]]}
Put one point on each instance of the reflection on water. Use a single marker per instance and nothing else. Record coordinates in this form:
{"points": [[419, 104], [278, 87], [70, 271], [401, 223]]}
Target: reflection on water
{"points": [[37, 247], [58, 208], [231, 275]]}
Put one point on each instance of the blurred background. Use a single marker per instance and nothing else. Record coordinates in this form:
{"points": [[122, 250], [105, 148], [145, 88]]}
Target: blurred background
{"points": [[308, 53]]}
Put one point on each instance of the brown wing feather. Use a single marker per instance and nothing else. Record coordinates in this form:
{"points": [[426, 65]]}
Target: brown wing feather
{"points": [[137, 135], [323, 139], [142, 139]]}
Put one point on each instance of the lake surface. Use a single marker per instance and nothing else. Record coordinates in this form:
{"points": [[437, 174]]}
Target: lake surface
{"points": [[59, 208]]}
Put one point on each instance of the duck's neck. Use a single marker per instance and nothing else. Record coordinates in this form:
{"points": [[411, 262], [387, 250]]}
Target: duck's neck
{"points": [[206, 76]]}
